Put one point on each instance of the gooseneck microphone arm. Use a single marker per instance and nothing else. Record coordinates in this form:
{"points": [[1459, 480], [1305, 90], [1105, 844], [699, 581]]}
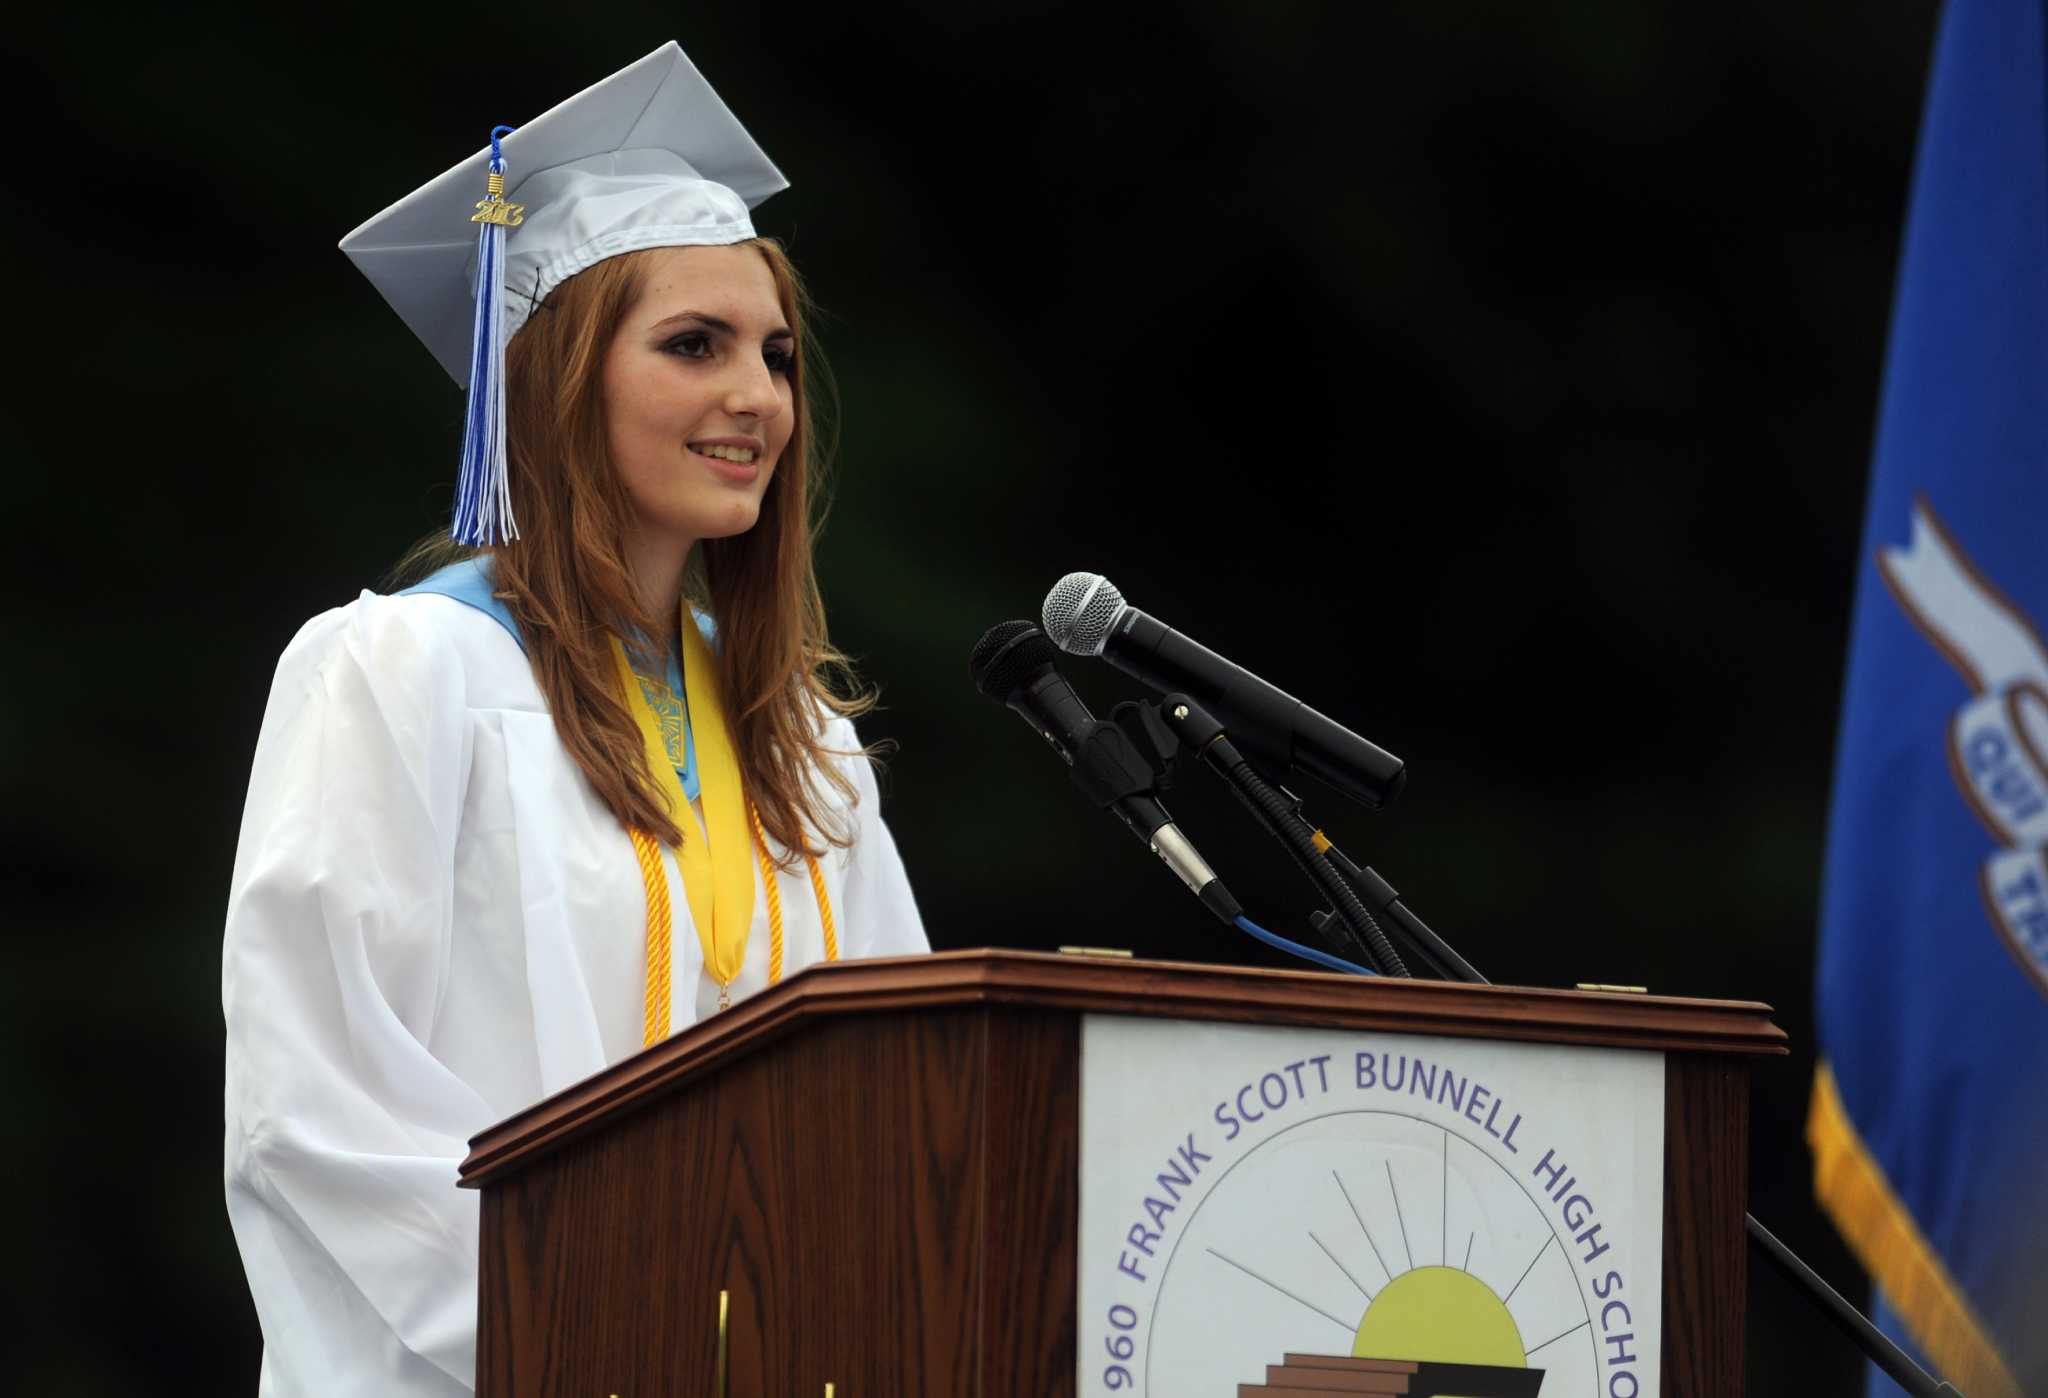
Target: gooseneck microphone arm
{"points": [[1379, 895], [1197, 728]]}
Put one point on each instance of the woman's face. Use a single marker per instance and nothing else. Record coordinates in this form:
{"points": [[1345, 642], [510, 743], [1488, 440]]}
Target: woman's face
{"points": [[697, 396]]}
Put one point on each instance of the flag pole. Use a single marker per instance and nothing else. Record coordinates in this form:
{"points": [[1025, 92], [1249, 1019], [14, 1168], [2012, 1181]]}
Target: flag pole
{"points": [[1850, 1321]]}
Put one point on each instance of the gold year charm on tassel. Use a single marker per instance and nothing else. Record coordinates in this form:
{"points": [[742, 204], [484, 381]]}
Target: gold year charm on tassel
{"points": [[492, 208]]}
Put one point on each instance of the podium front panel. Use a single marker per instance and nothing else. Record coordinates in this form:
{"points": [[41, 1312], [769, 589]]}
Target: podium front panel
{"points": [[1258, 1201]]}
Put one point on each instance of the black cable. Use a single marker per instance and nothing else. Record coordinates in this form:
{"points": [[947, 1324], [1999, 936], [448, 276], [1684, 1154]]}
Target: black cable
{"points": [[1380, 894], [1277, 813], [1421, 965], [1275, 810]]}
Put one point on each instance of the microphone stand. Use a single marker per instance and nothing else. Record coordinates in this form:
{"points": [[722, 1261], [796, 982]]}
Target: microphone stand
{"points": [[1379, 895], [1193, 725], [1357, 893]]}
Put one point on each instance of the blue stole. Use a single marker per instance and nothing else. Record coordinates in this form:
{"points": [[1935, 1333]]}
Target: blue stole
{"points": [[469, 582]]}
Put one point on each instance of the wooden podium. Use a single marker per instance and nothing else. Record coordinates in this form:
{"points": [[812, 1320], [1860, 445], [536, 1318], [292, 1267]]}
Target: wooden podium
{"points": [[876, 1163]]}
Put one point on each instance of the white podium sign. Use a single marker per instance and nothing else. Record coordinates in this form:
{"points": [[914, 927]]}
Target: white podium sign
{"points": [[1410, 1214]]}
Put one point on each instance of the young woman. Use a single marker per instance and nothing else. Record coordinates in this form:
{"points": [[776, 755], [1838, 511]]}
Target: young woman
{"points": [[583, 786]]}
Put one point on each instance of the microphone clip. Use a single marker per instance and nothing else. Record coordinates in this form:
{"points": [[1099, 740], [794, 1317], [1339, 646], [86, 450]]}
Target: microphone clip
{"points": [[1109, 767], [1149, 733], [1135, 753]]}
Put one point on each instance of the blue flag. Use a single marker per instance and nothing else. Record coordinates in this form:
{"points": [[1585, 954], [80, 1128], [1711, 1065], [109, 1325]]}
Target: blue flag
{"points": [[1929, 1120]]}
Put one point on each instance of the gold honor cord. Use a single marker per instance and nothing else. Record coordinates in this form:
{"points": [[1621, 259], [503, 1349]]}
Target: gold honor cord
{"points": [[720, 892], [774, 897], [660, 922], [824, 910]]}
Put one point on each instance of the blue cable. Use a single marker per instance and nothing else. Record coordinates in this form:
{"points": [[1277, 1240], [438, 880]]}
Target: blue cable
{"points": [[1274, 939]]}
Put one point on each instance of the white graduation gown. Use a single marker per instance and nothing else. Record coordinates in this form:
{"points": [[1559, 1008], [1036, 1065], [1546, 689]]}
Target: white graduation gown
{"points": [[434, 923]]}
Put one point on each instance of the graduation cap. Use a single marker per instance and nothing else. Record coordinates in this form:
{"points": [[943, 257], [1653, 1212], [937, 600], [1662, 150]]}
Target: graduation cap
{"points": [[647, 158]]}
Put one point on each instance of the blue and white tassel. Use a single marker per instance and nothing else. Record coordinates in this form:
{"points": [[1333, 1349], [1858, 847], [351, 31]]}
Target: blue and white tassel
{"points": [[483, 492]]}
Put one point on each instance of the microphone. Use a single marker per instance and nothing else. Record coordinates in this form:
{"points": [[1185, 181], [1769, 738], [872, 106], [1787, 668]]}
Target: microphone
{"points": [[1086, 615], [1013, 664]]}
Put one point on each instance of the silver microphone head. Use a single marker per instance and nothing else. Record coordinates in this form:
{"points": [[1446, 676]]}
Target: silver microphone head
{"points": [[1080, 612]]}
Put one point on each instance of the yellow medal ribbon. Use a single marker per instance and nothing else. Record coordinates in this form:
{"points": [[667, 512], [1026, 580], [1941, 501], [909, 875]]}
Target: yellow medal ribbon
{"points": [[720, 890], [718, 878]]}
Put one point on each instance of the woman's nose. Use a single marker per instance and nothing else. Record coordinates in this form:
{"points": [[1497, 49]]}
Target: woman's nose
{"points": [[753, 392]]}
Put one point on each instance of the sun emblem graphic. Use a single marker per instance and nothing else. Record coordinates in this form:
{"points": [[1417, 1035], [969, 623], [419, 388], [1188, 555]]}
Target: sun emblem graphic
{"points": [[1371, 1252]]}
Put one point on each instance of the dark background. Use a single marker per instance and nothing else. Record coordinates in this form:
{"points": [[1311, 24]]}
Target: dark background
{"points": [[1499, 377]]}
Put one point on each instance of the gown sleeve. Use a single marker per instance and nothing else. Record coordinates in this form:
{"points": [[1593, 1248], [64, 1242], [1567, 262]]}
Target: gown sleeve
{"points": [[880, 917], [344, 1131]]}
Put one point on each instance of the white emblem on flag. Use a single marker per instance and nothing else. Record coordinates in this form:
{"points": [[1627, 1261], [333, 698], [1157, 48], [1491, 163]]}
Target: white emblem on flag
{"points": [[1998, 741]]}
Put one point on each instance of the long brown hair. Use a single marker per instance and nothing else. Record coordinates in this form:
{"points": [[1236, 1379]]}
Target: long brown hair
{"points": [[567, 582]]}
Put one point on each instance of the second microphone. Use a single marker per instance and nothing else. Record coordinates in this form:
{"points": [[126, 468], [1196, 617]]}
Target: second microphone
{"points": [[1013, 664]]}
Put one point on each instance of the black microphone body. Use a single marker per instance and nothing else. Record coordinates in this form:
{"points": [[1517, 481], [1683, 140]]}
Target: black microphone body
{"points": [[1013, 664], [1048, 703], [1271, 724]]}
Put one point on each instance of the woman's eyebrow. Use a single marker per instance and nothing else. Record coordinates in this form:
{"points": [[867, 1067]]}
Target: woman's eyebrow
{"points": [[723, 327]]}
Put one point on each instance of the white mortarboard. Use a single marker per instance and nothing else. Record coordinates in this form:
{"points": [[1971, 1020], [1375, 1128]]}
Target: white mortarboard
{"points": [[649, 157]]}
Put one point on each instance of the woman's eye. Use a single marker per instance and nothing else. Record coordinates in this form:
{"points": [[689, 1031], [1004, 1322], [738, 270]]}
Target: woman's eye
{"points": [[694, 344], [780, 359]]}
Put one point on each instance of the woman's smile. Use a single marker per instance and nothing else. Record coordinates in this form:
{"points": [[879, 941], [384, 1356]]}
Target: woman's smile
{"points": [[736, 459]]}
